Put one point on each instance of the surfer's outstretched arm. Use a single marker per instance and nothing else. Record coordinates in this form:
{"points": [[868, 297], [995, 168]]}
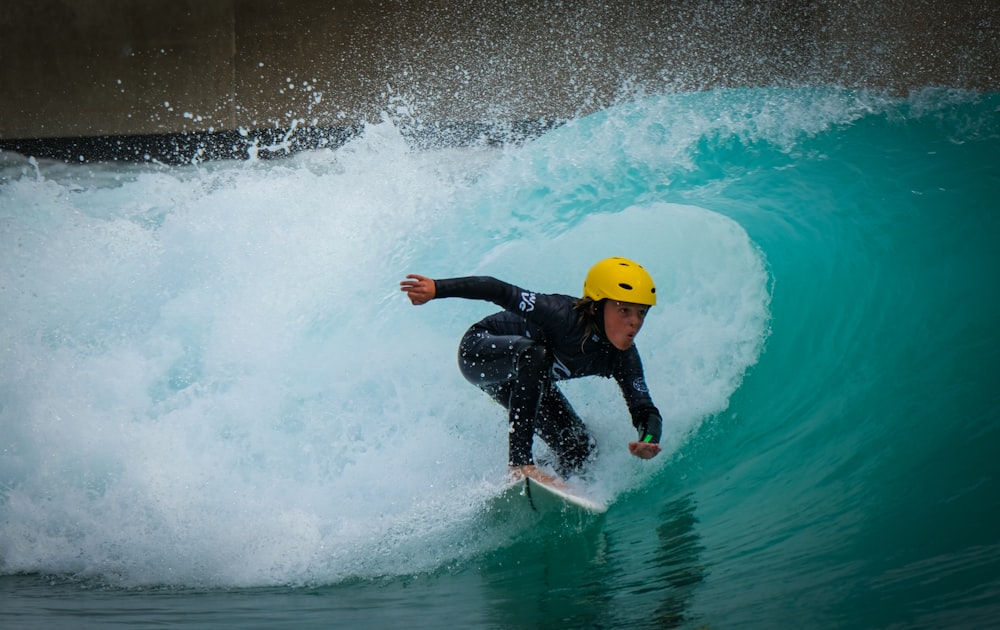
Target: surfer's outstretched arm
{"points": [[420, 289]]}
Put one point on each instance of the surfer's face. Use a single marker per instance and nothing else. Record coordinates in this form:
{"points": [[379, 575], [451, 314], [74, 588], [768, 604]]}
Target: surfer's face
{"points": [[622, 321]]}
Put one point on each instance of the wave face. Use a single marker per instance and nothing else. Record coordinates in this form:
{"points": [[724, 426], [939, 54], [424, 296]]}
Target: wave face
{"points": [[211, 381]]}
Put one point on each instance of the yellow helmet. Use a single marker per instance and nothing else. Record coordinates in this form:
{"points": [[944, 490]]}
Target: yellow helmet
{"points": [[620, 279]]}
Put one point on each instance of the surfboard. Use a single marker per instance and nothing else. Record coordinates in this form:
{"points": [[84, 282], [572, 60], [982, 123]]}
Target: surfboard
{"points": [[545, 497]]}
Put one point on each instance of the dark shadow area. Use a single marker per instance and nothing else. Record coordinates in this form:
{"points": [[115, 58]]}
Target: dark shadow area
{"points": [[194, 147]]}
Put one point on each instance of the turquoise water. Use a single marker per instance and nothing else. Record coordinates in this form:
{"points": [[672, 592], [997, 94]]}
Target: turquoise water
{"points": [[217, 409]]}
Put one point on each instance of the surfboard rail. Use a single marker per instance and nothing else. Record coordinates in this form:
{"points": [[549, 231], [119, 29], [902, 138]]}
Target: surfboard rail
{"points": [[546, 497]]}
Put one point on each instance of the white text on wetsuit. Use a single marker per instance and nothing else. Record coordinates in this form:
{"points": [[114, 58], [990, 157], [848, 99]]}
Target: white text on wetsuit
{"points": [[527, 301]]}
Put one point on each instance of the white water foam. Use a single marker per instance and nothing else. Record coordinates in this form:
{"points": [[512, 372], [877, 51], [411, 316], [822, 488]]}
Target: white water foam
{"points": [[211, 378]]}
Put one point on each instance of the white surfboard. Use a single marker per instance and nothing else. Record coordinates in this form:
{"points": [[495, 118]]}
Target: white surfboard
{"points": [[546, 497]]}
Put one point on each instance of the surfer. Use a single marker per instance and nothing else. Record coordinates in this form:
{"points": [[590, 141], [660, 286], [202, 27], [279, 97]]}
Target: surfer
{"points": [[517, 356]]}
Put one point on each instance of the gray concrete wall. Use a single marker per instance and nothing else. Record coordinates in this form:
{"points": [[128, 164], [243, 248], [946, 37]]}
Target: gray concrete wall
{"points": [[121, 67]]}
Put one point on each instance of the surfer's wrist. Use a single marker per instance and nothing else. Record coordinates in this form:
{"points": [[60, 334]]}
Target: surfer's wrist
{"points": [[650, 431]]}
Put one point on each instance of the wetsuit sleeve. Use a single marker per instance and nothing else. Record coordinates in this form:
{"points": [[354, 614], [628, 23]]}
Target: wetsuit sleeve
{"points": [[646, 417], [476, 288], [548, 311]]}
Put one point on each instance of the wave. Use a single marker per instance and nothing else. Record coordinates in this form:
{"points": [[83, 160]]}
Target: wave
{"points": [[215, 381]]}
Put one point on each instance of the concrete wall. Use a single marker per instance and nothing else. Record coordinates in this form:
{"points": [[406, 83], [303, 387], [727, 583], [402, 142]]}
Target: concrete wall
{"points": [[123, 67], [93, 67]]}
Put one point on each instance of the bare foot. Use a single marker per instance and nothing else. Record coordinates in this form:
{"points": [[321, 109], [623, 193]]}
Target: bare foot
{"points": [[530, 471]]}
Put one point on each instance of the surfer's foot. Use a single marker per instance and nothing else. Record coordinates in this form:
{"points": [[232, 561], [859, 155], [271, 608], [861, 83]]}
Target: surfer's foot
{"points": [[531, 472]]}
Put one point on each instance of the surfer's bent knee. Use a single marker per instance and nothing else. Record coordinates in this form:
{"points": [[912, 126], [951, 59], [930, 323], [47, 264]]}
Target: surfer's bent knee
{"points": [[486, 359]]}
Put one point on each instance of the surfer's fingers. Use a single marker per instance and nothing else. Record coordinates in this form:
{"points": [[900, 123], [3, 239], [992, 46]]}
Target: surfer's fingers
{"points": [[420, 289]]}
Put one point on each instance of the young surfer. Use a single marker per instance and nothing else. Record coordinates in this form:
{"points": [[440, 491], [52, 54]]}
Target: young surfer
{"points": [[518, 354]]}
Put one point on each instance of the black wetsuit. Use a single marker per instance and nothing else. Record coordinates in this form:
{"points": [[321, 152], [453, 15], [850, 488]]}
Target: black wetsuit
{"points": [[517, 355]]}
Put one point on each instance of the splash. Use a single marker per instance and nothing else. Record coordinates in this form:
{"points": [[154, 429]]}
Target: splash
{"points": [[213, 379]]}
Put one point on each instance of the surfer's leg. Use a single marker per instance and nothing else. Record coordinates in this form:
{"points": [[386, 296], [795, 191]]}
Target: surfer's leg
{"points": [[489, 360], [564, 432], [514, 370], [532, 378]]}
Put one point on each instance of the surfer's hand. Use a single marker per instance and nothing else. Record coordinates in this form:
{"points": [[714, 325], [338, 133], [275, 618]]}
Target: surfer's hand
{"points": [[644, 450], [420, 289]]}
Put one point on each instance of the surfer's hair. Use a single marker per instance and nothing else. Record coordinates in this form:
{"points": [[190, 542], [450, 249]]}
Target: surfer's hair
{"points": [[587, 311]]}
